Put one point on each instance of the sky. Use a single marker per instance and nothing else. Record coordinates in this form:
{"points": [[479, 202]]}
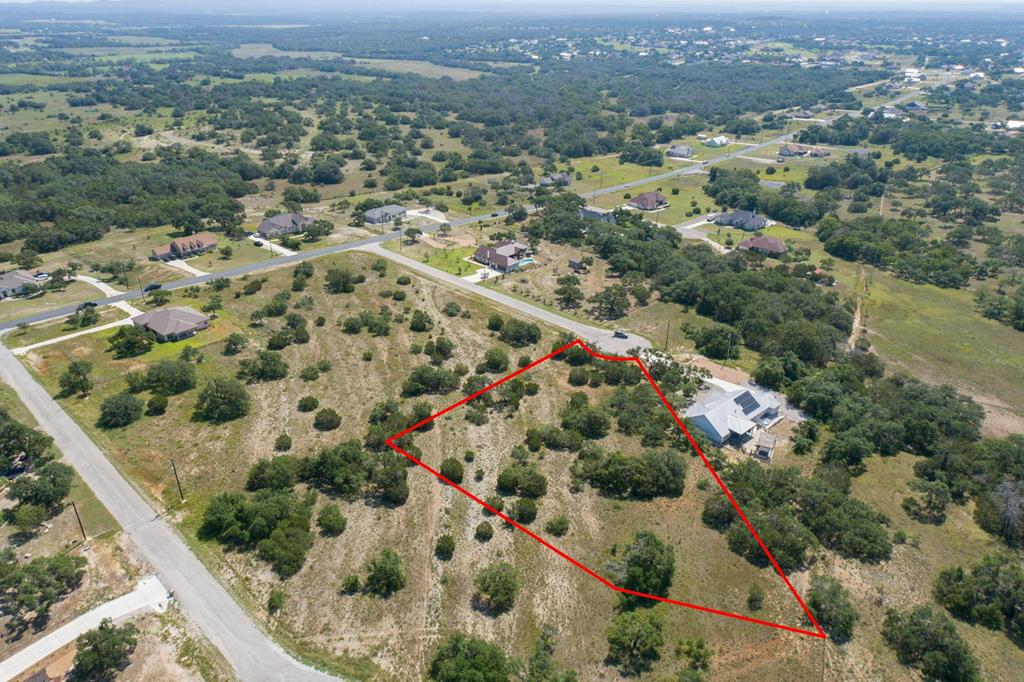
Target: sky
{"points": [[548, 7]]}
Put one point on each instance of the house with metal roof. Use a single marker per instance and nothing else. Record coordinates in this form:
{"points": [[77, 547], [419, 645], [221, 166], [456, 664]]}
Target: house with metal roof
{"points": [[680, 151], [733, 415]]}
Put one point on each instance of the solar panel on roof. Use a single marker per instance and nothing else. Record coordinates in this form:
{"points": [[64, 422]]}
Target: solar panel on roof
{"points": [[747, 402]]}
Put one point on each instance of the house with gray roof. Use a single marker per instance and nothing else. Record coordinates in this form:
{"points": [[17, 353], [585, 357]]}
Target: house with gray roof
{"points": [[16, 282], [503, 256], [769, 246], [385, 214], [748, 221], [732, 416], [680, 151], [172, 324], [556, 180], [282, 224], [595, 213]]}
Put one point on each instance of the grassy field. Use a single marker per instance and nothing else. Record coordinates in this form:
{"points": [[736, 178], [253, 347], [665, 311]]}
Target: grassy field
{"points": [[452, 260], [57, 328], [75, 292], [937, 334], [690, 189]]}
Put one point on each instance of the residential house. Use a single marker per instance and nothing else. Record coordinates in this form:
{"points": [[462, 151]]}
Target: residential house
{"points": [[16, 282], [594, 213], [732, 416], [744, 220], [172, 324], [792, 150], [185, 247], [915, 106], [718, 141], [556, 180], [577, 265], [385, 214], [769, 246], [818, 152], [649, 201], [503, 256], [681, 151], [283, 224]]}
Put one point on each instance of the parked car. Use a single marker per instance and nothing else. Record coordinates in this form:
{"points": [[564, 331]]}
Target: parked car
{"points": [[494, 215], [620, 334], [87, 304], [257, 242], [152, 287]]}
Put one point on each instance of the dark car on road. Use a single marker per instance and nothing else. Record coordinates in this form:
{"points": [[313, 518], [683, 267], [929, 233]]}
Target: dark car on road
{"points": [[151, 287]]}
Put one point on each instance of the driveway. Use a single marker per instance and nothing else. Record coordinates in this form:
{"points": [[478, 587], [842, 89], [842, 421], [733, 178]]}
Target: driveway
{"points": [[598, 338], [110, 291], [184, 267], [271, 246], [148, 594], [252, 653]]}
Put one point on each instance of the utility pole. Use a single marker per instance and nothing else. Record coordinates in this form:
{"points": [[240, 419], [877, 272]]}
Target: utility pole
{"points": [[178, 481], [79, 519], [668, 325]]}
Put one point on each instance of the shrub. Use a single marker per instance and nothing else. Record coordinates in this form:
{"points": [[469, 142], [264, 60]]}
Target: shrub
{"points": [[484, 531], [420, 322], [350, 585], [326, 420], [755, 597], [119, 410], [927, 640], [309, 373], [403, 280], [331, 520], [451, 468], [276, 601], [523, 511], [156, 405], [451, 309], [308, 404], [222, 400], [283, 442], [445, 547], [579, 376], [558, 526], [385, 575]]}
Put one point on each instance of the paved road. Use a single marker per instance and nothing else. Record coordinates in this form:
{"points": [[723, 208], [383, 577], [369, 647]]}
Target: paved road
{"points": [[148, 594], [252, 653], [600, 338]]}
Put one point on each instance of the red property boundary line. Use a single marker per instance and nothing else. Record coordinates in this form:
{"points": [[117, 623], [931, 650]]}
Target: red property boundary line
{"points": [[817, 633]]}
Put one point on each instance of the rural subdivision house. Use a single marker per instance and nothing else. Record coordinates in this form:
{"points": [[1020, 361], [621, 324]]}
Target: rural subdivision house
{"points": [[173, 324], [556, 180], [769, 246], [385, 214], [717, 141], [649, 201], [282, 224], [503, 256], [747, 221], [733, 416], [185, 247], [595, 213], [680, 151], [801, 150], [16, 282]]}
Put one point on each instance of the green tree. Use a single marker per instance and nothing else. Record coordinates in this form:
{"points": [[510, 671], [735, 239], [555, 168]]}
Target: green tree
{"points": [[611, 302], [497, 586], [647, 566], [830, 604], [755, 597], [130, 341], [76, 378], [927, 640], [464, 659], [452, 469], [634, 638], [171, 377], [119, 410], [50, 484], [222, 400], [103, 651], [29, 590], [445, 547]]}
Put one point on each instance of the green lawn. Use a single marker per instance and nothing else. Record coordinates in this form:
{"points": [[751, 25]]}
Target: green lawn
{"points": [[57, 328], [690, 189]]}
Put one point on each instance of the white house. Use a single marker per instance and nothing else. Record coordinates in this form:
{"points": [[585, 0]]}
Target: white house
{"points": [[732, 415], [718, 141]]}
